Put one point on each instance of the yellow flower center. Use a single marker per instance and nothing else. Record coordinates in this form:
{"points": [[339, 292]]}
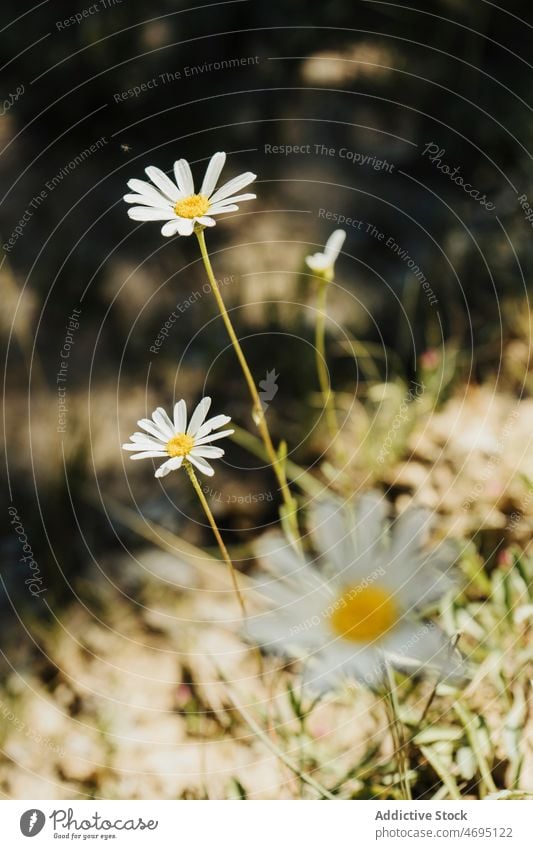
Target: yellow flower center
{"points": [[192, 207], [363, 614], [179, 445]]}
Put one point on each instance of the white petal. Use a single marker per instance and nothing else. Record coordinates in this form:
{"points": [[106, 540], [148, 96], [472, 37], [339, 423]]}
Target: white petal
{"points": [[370, 529], [163, 422], [207, 451], [431, 586], [202, 465], [419, 646], [414, 639], [236, 199], [212, 437], [152, 428], [332, 533], [278, 633], [147, 190], [304, 612], [142, 454], [278, 592], [220, 210], [148, 213], [170, 228], [198, 417], [183, 175], [278, 555], [138, 436], [334, 244], [410, 531], [233, 186], [180, 416], [163, 182], [351, 540], [212, 173], [270, 632], [134, 446], [318, 262], [212, 424], [185, 226], [158, 201], [341, 662], [422, 580], [142, 439], [280, 558], [169, 466], [140, 446], [206, 220]]}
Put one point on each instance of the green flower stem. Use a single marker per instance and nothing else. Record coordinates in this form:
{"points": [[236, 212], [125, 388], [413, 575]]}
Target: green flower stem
{"points": [[320, 356], [257, 408], [227, 559]]}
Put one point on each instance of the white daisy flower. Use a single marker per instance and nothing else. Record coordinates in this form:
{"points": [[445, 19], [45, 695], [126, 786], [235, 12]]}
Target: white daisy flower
{"points": [[177, 203], [176, 441], [361, 611], [324, 263]]}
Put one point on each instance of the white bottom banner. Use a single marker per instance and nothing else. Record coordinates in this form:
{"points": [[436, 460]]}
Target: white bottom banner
{"points": [[264, 824]]}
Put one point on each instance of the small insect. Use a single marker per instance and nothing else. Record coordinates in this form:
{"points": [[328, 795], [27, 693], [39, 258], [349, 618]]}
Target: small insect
{"points": [[125, 148]]}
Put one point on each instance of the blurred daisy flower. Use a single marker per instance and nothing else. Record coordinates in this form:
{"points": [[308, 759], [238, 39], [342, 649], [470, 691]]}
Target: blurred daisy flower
{"points": [[178, 442], [362, 610], [177, 203], [323, 263]]}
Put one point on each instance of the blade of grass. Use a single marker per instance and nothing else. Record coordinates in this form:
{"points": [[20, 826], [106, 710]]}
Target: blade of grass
{"points": [[439, 767], [271, 746], [468, 721], [397, 733]]}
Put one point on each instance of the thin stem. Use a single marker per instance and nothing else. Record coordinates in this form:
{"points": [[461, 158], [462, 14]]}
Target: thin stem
{"points": [[320, 356], [227, 559], [453, 644], [469, 723], [265, 739], [438, 764], [397, 734], [257, 407]]}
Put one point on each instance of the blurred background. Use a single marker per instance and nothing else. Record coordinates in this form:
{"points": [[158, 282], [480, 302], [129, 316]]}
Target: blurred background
{"points": [[408, 126]]}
